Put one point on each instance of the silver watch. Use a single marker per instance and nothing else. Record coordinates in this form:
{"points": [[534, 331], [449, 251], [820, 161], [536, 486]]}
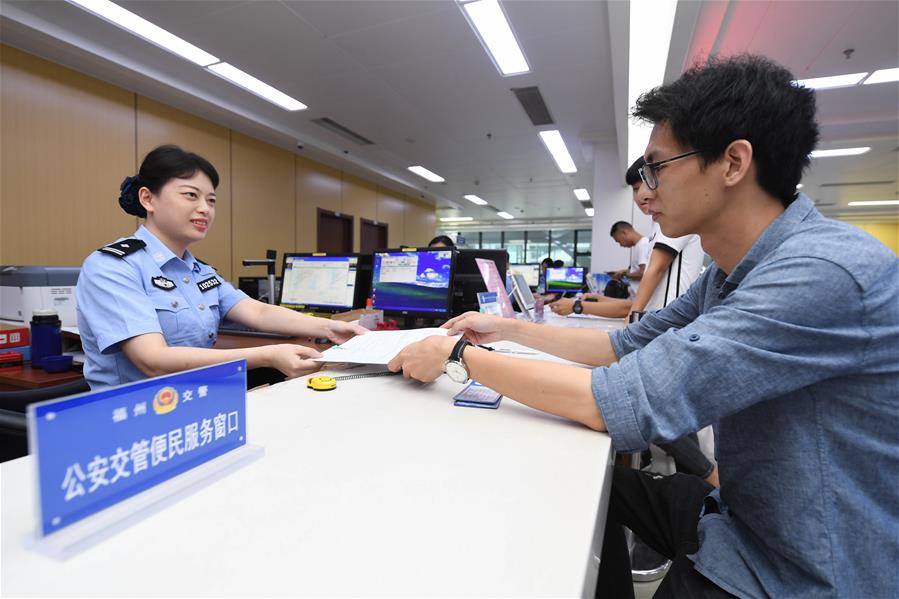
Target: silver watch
{"points": [[454, 367]]}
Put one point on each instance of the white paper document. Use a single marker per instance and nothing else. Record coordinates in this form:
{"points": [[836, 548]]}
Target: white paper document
{"points": [[376, 347]]}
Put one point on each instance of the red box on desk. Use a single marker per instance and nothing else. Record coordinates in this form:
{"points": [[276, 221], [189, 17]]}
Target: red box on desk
{"points": [[14, 335]]}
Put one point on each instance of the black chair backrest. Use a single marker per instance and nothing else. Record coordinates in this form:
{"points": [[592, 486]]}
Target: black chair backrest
{"points": [[17, 401]]}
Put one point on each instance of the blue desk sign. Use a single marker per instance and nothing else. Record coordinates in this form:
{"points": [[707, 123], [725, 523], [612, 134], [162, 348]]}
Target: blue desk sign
{"points": [[106, 459]]}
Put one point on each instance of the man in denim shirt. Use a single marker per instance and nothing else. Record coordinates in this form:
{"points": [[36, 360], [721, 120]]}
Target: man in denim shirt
{"points": [[788, 344]]}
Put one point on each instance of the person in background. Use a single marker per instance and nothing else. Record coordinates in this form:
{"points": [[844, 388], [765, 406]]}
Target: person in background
{"points": [[147, 306], [801, 389], [628, 237], [441, 241]]}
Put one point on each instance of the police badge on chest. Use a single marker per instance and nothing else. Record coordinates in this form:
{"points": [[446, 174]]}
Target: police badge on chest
{"points": [[163, 283]]}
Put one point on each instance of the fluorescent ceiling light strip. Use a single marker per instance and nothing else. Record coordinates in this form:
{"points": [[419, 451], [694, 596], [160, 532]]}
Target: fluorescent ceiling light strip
{"points": [[255, 86], [582, 194], [143, 28], [556, 145], [505, 215], [883, 76], [651, 24], [475, 200], [839, 152], [832, 81], [588, 211], [426, 174], [456, 219], [493, 29], [876, 203]]}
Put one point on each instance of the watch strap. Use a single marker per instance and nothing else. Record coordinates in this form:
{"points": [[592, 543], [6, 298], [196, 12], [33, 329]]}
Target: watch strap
{"points": [[456, 354]]}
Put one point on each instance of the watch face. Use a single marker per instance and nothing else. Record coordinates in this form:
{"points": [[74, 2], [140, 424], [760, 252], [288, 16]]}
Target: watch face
{"points": [[456, 371]]}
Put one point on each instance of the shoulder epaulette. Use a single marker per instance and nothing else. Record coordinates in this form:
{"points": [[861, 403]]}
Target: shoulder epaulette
{"points": [[206, 264], [122, 248]]}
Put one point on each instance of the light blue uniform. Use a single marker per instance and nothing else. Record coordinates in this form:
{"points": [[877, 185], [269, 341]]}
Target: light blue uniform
{"points": [[123, 293]]}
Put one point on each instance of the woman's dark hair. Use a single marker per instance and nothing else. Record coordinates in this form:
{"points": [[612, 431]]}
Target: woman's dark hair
{"points": [[446, 241], [558, 264], [158, 168], [741, 97], [633, 173]]}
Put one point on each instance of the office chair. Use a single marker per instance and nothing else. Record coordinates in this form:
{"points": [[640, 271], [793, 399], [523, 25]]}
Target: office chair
{"points": [[13, 405]]}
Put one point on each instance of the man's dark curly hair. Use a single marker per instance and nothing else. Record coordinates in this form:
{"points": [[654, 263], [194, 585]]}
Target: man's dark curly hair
{"points": [[741, 97]]}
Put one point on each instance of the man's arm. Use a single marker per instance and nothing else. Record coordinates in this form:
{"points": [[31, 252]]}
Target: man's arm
{"points": [[607, 307], [558, 389], [637, 275], [659, 261]]}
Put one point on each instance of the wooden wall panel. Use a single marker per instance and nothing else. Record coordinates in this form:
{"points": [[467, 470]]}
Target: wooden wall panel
{"points": [[419, 223], [263, 205], [390, 211], [158, 124], [360, 199], [317, 186], [67, 142]]}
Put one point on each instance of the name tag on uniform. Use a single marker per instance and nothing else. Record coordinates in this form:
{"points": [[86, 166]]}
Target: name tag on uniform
{"points": [[210, 283], [163, 283]]}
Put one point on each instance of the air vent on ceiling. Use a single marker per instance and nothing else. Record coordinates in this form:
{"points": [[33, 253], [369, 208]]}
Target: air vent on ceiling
{"points": [[335, 127], [533, 104], [854, 183]]}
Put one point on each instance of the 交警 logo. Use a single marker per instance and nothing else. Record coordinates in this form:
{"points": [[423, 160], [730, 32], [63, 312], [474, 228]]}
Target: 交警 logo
{"points": [[165, 401]]}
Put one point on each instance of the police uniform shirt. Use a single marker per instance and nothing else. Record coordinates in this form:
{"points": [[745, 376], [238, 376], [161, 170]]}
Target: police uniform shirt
{"points": [[123, 292]]}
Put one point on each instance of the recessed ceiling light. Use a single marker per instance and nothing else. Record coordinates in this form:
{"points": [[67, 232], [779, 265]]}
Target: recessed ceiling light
{"points": [[255, 86], [505, 215], [832, 81], [582, 194], [426, 174], [556, 145], [651, 25], [800, 186], [883, 76], [876, 203], [143, 28], [839, 152], [589, 211], [493, 29], [456, 219], [475, 200]]}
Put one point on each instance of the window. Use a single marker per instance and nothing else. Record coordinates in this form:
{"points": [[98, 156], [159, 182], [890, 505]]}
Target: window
{"points": [[562, 247], [537, 246], [514, 243], [491, 240]]}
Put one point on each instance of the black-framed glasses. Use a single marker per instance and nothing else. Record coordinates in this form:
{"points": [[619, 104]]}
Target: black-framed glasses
{"points": [[649, 172]]}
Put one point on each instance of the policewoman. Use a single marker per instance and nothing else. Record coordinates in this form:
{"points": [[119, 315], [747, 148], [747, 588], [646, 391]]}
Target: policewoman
{"points": [[147, 306]]}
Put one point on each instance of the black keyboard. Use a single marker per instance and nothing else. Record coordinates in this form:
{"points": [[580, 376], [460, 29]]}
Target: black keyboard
{"points": [[233, 328]]}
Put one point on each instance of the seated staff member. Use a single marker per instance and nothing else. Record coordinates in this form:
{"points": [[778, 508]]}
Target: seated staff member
{"points": [[441, 241], [147, 306], [801, 389]]}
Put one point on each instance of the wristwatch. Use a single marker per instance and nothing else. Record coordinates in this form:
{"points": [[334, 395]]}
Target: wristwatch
{"points": [[577, 308], [454, 367]]}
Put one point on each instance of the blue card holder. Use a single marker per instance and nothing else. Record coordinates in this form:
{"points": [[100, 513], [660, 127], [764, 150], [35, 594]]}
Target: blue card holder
{"points": [[476, 395]]}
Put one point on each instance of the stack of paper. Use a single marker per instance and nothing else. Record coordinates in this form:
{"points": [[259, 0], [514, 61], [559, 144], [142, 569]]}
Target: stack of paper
{"points": [[376, 347]]}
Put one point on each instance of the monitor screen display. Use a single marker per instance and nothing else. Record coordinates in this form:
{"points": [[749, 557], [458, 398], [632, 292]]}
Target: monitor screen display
{"points": [[560, 280], [417, 281], [530, 272], [319, 281]]}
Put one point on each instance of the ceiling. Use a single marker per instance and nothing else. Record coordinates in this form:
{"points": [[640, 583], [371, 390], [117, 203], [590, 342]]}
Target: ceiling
{"points": [[412, 77]]}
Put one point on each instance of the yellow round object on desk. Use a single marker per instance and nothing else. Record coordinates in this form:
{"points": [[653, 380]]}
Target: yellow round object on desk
{"points": [[321, 383]]}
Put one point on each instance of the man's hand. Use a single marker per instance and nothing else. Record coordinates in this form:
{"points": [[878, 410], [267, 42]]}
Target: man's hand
{"points": [[563, 306], [423, 361], [478, 328], [291, 359], [338, 331]]}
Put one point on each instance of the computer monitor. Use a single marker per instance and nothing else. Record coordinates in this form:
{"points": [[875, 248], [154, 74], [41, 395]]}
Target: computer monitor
{"points": [[322, 282], [521, 291], [530, 272], [467, 279], [257, 287], [561, 280], [413, 282]]}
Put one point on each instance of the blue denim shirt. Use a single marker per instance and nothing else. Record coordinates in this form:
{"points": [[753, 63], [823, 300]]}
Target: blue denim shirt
{"points": [[149, 291], [794, 357]]}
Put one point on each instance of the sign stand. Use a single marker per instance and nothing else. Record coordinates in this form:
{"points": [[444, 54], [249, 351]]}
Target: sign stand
{"points": [[86, 533]]}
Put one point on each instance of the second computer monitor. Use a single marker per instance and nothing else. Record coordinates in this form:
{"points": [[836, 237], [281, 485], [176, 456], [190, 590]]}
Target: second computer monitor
{"points": [[561, 280], [530, 272], [322, 282], [413, 282]]}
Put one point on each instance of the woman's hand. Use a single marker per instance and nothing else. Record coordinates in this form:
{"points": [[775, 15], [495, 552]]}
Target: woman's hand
{"points": [[338, 331], [478, 328], [292, 360]]}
